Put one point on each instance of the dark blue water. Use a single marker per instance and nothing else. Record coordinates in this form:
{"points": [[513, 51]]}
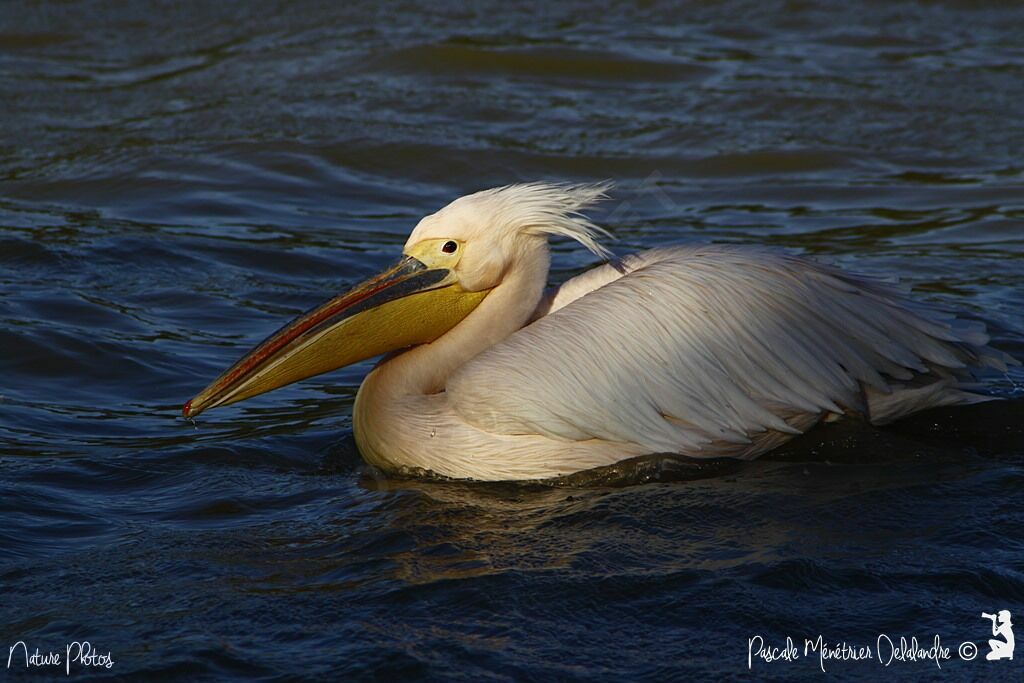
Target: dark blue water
{"points": [[177, 180]]}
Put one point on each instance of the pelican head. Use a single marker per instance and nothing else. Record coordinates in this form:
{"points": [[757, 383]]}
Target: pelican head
{"points": [[451, 262]]}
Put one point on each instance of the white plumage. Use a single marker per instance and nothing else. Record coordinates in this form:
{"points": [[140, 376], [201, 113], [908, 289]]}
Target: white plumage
{"points": [[700, 351], [721, 344]]}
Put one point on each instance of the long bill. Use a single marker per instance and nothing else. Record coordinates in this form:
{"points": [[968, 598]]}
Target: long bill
{"points": [[405, 305]]}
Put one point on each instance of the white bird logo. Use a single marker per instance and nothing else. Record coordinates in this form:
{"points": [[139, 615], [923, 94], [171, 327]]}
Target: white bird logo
{"points": [[1001, 626]]}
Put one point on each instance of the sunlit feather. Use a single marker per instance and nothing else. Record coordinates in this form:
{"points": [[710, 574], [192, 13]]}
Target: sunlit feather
{"points": [[701, 351]]}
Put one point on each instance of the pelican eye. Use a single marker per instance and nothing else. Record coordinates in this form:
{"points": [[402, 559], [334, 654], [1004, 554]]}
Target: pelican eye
{"points": [[449, 247]]}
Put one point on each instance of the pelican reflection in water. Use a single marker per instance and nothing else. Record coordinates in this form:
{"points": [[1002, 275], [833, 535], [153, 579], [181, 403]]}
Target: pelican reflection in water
{"points": [[703, 351]]}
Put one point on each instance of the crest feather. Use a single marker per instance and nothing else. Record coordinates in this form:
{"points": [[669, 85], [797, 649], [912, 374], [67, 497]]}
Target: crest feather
{"points": [[541, 208]]}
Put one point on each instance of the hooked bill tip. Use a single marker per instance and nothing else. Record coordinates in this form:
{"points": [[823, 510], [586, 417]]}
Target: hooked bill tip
{"points": [[186, 409]]}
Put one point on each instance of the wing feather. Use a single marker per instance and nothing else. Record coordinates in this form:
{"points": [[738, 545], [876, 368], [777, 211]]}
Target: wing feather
{"points": [[700, 350]]}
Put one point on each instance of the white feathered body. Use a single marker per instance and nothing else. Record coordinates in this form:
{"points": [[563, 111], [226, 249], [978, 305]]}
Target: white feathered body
{"points": [[705, 351]]}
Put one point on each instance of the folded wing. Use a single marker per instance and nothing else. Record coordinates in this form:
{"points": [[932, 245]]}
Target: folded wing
{"points": [[717, 350]]}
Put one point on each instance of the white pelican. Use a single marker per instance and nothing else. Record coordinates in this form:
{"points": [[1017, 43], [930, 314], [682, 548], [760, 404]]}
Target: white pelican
{"points": [[702, 351]]}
